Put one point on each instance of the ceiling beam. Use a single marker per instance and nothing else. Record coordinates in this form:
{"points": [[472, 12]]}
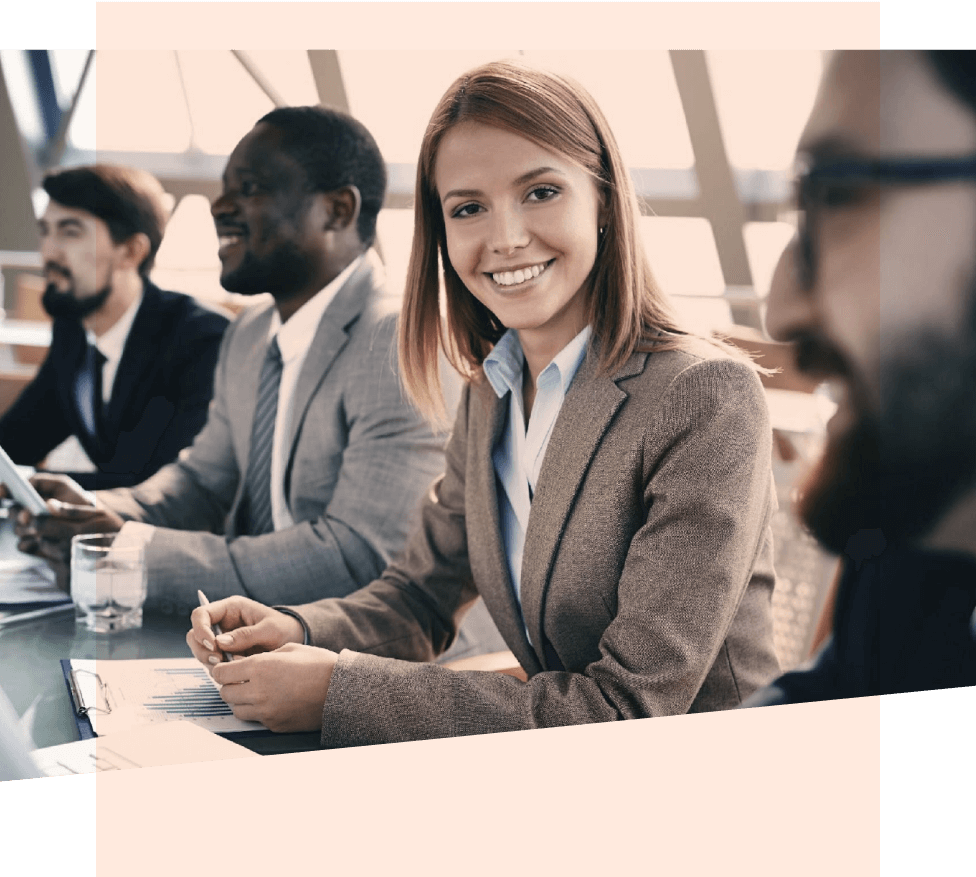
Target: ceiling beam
{"points": [[328, 78], [720, 199]]}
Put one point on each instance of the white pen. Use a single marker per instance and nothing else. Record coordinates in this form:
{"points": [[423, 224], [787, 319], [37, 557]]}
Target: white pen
{"points": [[215, 627], [15, 617]]}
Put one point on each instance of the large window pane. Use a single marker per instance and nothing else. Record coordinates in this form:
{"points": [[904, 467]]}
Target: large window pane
{"points": [[763, 100]]}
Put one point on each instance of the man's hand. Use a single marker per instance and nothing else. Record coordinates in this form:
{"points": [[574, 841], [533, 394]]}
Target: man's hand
{"points": [[249, 628], [71, 510], [285, 689]]}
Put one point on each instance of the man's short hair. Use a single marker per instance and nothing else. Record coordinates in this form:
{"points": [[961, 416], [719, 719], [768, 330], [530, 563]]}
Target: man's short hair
{"points": [[957, 72], [128, 200], [335, 150]]}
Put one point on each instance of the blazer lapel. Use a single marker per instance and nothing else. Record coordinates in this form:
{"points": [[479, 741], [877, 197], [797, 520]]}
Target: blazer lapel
{"points": [[137, 358], [587, 412], [330, 337], [484, 524]]}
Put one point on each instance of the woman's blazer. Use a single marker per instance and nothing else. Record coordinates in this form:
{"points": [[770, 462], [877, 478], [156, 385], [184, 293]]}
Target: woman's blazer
{"points": [[647, 571]]}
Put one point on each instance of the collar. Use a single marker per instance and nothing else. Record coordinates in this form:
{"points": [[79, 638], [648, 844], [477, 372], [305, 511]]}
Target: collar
{"points": [[503, 366], [112, 343], [295, 336]]}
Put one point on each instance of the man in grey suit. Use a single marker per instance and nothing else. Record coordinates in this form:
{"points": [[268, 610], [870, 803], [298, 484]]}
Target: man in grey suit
{"points": [[304, 480]]}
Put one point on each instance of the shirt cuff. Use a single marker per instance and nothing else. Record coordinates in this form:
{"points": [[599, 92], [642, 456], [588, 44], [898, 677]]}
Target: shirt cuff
{"points": [[134, 534], [286, 611]]}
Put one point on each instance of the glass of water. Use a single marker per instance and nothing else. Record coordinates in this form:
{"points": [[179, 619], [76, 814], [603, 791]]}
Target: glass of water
{"points": [[108, 582]]}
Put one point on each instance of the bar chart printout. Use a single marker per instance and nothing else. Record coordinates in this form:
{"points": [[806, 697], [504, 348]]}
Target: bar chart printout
{"points": [[129, 693]]}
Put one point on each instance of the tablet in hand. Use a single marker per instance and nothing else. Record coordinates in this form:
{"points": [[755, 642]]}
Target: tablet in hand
{"points": [[19, 487]]}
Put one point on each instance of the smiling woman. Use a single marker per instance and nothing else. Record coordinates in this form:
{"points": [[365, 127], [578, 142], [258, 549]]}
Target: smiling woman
{"points": [[607, 490], [522, 226]]}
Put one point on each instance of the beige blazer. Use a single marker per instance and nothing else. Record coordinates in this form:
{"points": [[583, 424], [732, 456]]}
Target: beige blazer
{"points": [[647, 568]]}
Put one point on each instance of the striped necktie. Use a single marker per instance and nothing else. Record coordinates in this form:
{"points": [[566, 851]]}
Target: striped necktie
{"points": [[257, 518]]}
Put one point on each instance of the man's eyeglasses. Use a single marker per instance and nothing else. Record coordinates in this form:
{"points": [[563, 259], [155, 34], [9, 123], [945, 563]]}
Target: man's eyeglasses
{"points": [[835, 183]]}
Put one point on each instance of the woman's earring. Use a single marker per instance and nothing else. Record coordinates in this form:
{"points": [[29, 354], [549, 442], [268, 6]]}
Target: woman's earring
{"points": [[602, 230]]}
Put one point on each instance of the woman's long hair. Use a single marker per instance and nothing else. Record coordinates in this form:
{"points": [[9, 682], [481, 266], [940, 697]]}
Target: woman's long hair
{"points": [[624, 305]]}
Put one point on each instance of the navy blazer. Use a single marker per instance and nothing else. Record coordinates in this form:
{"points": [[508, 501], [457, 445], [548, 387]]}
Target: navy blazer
{"points": [[903, 622], [159, 398]]}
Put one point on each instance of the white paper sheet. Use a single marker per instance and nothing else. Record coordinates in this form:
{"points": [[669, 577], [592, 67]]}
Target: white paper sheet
{"points": [[149, 746]]}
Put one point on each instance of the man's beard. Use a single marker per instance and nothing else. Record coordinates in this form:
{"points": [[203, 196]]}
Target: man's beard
{"points": [[65, 304], [279, 273], [901, 472]]}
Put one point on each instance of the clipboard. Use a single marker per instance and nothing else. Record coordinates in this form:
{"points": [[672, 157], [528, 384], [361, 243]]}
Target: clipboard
{"points": [[78, 705], [104, 703]]}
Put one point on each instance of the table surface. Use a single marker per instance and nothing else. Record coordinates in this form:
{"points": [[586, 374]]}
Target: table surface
{"points": [[30, 666]]}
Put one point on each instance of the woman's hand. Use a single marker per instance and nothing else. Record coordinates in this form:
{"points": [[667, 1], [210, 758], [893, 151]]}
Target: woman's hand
{"points": [[248, 628], [285, 689]]}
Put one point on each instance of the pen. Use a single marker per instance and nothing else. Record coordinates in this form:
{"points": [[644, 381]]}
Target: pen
{"points": [[216, 627], [13, 617]]}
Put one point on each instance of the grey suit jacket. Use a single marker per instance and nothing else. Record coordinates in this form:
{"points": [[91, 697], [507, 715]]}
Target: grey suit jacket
{"points": [[647, 572], [360, 458]]}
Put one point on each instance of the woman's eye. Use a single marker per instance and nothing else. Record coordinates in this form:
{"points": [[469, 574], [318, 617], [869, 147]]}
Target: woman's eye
{"points": [[543, 193], [465, 210], [249, 187]]}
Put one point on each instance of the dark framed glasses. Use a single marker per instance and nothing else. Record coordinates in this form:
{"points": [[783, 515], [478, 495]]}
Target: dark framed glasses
{"points": [[834, 183]]}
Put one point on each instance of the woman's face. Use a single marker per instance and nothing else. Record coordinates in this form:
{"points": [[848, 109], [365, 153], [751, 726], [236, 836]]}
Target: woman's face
{"points": [[522, 228]]}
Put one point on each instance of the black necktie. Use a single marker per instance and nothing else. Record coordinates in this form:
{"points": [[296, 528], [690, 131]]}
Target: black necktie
{"points": [[257, 517], [88, 389]]}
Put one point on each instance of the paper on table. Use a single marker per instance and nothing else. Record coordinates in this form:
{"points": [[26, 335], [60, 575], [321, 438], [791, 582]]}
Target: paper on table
{"points": [[149, 746], [27, 582], [150, 691]]}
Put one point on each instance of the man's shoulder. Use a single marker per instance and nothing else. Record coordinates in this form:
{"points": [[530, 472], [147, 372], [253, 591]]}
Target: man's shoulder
{"points": [[183, 311], [365, 300]]}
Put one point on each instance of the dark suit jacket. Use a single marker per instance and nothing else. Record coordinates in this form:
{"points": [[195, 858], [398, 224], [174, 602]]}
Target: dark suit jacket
{"points": [[902, 622], [646, 577], [159, 399]]}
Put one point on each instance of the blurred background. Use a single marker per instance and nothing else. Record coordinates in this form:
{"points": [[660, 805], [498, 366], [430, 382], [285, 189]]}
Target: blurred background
{"points": [[709, 137]]}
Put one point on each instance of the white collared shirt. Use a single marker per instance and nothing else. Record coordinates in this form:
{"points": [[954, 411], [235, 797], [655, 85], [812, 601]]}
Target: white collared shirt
{"points": [[294, 340], [521, 449], [111, 345]]}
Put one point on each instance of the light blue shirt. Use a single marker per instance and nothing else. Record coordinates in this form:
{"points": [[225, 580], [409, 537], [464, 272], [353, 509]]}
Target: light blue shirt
{"points": [[521, 449]]}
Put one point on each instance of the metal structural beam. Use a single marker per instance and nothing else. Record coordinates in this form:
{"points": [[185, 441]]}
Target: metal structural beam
{"points": [[55, 148], [260, 79], [328, 78], [18, 225], [45, 93], [720, 200]]}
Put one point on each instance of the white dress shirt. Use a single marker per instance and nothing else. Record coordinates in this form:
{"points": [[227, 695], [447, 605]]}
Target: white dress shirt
{"points": [[294, 340], [521, 449], [111, 345]]}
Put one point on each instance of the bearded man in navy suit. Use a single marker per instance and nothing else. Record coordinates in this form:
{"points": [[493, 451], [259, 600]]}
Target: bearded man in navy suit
{"points": [[129, 371]]}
